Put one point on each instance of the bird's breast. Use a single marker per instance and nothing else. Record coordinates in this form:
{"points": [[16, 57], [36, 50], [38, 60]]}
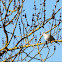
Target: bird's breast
{"points": [[47, 37]]}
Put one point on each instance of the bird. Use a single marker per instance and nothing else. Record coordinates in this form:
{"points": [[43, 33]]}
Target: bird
{"points": [[48, 37]]}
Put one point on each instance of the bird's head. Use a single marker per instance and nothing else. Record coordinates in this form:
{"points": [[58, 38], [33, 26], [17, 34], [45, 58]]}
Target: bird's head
{"points": [[43, 33]]}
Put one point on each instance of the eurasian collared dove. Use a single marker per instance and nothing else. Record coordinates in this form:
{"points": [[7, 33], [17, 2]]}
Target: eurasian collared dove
{"points": [[48, 37]]}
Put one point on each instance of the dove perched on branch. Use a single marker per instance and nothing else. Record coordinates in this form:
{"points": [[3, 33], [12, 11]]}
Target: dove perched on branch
{"points": [[48, 37]]}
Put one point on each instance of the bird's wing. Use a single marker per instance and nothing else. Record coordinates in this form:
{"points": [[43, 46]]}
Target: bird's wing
{"points": [[52, 38]]}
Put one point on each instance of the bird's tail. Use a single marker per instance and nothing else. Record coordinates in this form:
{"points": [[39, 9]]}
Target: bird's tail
{"points": [[57, 42]]}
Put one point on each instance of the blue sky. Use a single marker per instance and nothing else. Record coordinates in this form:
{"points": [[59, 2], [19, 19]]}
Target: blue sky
{"points": [[28, 6]]}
